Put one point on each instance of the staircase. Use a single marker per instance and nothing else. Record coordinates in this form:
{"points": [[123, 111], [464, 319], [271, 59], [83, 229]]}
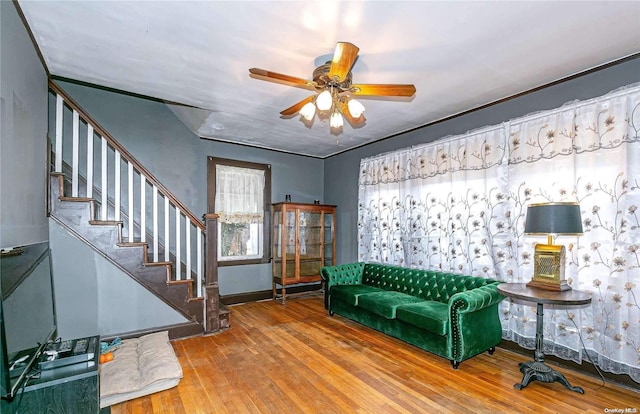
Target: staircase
{"points": [[107, 199]]}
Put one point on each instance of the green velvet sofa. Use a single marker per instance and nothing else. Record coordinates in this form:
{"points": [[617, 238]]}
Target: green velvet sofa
{"points": [[450, 315]]}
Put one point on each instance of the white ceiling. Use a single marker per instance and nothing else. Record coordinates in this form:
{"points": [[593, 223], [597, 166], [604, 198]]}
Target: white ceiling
{"points": [[459, 55]]}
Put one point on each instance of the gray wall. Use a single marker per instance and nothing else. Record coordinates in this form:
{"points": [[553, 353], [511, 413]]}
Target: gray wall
{"points": [[341, 171], [178, 159], [23, 135]]}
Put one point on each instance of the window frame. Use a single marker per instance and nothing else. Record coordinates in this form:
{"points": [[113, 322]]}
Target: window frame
{"points": [[212, 162]]}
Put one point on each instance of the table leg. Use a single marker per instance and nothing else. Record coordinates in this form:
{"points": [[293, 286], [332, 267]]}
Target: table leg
{"points": [[537, 370]]}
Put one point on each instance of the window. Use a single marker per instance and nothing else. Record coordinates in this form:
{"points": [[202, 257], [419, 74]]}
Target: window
{"points": [[240, 194]]}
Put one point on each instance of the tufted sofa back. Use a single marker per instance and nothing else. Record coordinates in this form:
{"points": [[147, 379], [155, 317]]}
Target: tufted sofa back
{"points": [[425, 284]]}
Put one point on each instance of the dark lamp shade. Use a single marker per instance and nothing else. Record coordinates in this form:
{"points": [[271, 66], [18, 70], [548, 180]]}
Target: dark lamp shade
{"points": [[553, 218]]}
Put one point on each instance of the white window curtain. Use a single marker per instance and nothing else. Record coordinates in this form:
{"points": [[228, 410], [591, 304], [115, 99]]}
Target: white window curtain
{"points": [[239, 194], [459, 204]]}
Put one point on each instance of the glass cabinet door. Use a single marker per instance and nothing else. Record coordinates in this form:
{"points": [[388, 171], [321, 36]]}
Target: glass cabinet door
{"points": [[289, 240], [276, 243], [328, 236], [284, 245], [310, 243]]}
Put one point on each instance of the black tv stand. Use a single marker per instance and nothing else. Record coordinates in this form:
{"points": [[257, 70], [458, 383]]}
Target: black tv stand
{"points": [[67, 388], [54, 356]]}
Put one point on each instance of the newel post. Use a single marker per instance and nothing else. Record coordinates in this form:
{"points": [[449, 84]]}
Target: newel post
{"points": [[212, 290]]}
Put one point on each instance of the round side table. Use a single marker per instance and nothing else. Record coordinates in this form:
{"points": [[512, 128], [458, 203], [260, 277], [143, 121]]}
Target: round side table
{"points": [[537, 370]]}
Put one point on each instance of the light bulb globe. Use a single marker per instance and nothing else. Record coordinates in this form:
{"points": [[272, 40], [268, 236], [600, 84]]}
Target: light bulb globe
{"points": [[355, 108], [336, 120], [324, 101], [308, 111]]}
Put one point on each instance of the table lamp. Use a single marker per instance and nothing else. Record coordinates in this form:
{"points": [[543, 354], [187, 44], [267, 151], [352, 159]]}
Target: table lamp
{"points": [[549, 259]]}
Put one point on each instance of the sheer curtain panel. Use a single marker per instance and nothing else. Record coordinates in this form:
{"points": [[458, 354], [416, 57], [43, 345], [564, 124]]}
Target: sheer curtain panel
{"points": [[239, 194]]}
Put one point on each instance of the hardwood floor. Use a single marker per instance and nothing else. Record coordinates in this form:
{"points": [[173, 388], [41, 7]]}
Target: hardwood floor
{"points": [[297, 359]]}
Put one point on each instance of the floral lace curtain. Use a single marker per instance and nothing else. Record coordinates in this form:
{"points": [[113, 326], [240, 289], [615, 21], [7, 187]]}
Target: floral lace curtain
{"points": [[459, 204], [239, 194]]}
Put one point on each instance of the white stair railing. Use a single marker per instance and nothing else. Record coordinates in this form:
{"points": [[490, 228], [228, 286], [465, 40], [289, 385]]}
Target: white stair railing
{"points": [[182, 237]]}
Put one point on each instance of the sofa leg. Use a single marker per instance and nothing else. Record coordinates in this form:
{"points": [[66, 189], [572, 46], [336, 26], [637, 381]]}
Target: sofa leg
{"points": [[330, 313], [492, 350], [455, 364]]}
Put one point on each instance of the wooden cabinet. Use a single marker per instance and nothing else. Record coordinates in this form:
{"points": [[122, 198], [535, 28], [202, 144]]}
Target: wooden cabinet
{"points": [[303, 240]]}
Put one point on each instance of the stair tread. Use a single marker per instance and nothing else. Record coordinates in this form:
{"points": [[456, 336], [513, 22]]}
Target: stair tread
{"points": [[68, 198], [105, 222], [130, 244], [181, 281], [157, 263]]}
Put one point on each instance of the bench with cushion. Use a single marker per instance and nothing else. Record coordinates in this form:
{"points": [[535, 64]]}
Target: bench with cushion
{"points": [[451, 315]]}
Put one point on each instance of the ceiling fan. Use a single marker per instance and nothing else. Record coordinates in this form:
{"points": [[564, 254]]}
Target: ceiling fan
{"points": [[334, 89]]}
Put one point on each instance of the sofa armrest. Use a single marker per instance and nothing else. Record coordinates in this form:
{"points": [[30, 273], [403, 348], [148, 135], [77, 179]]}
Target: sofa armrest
{"points": [[474, 299], [347, 274], [475, 324]]}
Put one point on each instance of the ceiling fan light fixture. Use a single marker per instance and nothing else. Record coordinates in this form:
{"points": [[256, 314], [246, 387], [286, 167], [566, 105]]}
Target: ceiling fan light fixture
{"points": [[355, 108], [308, 111], [336, 120], [324, 100], [333, 87]]}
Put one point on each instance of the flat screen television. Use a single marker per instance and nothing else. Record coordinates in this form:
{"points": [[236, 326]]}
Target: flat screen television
{"points": [[27, 313]]}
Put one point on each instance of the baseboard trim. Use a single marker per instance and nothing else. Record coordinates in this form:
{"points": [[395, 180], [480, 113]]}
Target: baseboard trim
{"points": [[266, 294], [584, 368], [177, 331]]}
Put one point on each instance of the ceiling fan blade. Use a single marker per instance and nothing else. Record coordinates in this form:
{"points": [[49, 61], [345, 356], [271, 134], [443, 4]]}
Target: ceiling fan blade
{"points": [[343, 59], [280, 78], [292, 110], [382, 90], [355, 122]]}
